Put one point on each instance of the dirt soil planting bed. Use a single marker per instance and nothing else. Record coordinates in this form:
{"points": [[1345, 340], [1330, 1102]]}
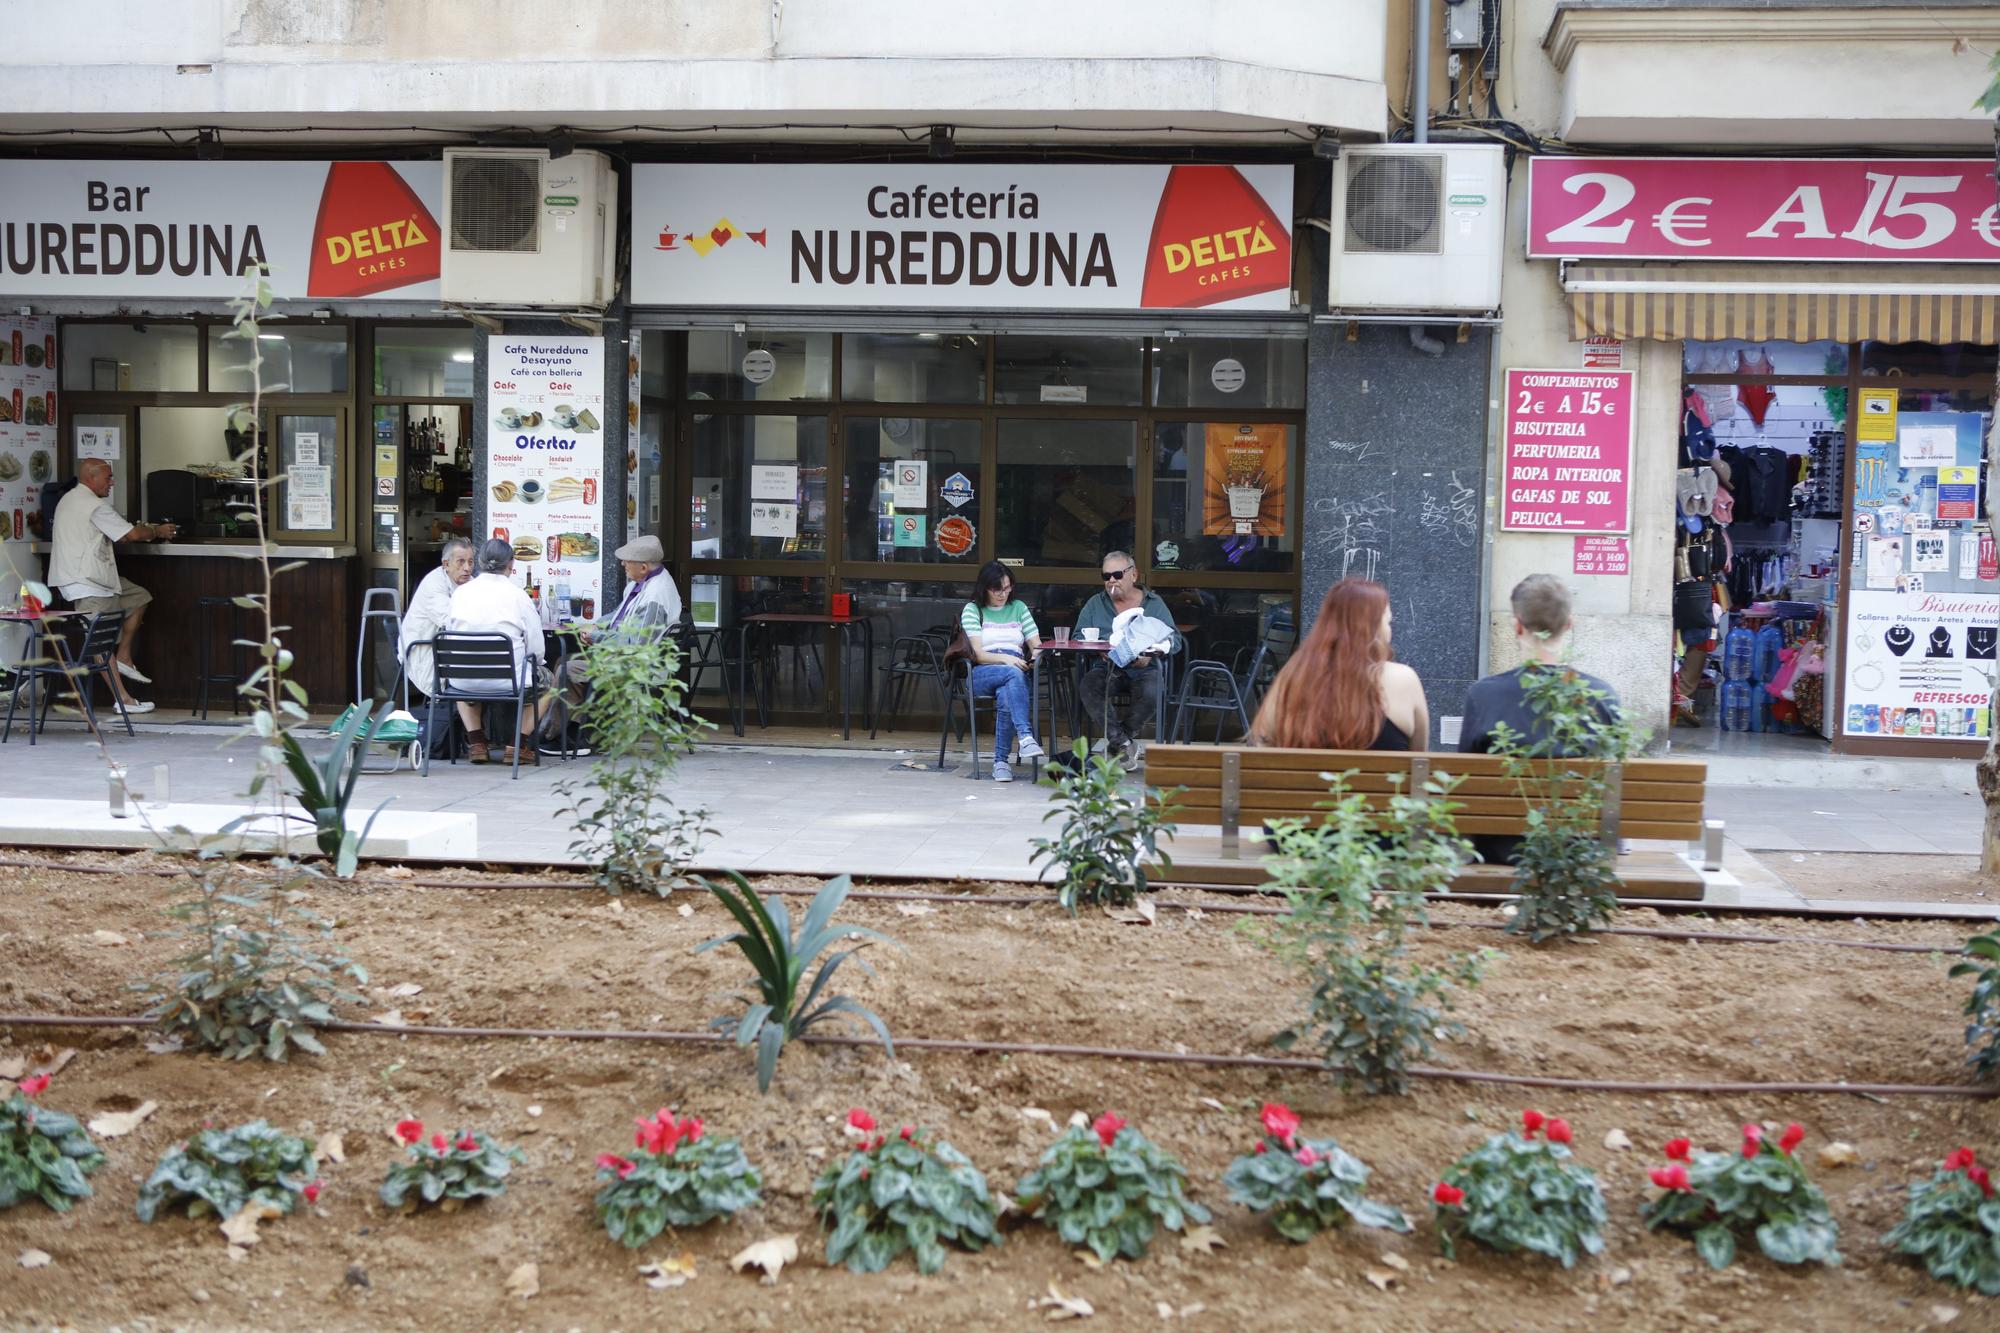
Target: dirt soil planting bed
{"points": [[1616, 1008]]}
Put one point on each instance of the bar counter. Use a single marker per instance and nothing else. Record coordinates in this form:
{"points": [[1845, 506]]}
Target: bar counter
{"points": [[316, 600]]}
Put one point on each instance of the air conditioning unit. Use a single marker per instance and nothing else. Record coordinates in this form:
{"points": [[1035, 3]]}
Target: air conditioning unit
{"points": [[1418, 229], [524, 229]]}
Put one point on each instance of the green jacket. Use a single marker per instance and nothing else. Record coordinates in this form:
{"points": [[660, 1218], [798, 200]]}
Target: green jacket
{"points": [[1098, 614]]}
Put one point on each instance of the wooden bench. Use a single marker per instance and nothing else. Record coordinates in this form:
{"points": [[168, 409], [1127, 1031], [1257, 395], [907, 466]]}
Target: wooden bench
{"points": [[1233, 786]]}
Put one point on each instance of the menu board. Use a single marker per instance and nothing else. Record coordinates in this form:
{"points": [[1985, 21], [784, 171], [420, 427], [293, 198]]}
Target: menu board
{"points": [[545, 463], [27, 422], [1568, 452], [1922, 666]]}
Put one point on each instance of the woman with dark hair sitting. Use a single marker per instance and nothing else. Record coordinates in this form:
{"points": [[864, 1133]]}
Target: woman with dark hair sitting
{"points": [[1003, 637], [1340, 690]]}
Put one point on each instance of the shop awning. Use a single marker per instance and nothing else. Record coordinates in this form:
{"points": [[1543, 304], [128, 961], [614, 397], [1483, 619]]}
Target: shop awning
{"points": [[1784, 303]]}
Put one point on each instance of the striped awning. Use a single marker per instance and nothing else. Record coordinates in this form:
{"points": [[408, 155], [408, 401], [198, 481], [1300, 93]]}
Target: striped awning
{"points": [[1785, 303]]}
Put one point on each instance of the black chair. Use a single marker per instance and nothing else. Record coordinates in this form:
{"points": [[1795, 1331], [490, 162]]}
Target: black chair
{"points": [[459, 659], [1273, 651], [913, 658], [958, 688], [93, 656], [1208, 687], [206, 611]]}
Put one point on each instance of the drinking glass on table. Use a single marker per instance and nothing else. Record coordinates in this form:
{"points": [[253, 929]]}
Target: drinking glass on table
{"points": [[1060, 633]]}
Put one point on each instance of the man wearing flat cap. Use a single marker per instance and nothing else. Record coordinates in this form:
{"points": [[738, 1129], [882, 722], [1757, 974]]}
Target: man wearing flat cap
{"points": [[650, 608]]}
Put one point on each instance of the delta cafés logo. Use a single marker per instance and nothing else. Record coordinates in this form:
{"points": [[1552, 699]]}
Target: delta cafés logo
{"points": [[1214, 239], [372, 234]]}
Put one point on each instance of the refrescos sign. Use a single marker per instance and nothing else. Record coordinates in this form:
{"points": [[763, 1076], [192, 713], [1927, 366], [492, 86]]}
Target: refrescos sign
{"points": [[1006, 237], [332, 230]]}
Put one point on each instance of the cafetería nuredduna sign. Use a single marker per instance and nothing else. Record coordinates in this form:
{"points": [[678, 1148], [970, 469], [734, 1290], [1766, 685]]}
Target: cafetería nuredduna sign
{"points": [[1033, 237], [327, 230]]}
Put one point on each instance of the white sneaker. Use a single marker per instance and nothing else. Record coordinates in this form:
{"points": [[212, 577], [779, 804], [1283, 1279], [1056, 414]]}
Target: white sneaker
{"points": [[138, 706], [1002, 773], [1128, 756], [1030, 748], [130, 672]]}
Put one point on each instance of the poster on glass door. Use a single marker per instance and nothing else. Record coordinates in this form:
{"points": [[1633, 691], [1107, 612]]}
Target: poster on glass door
{"points": [[545, 465], [27, 424], [1921, 666]]}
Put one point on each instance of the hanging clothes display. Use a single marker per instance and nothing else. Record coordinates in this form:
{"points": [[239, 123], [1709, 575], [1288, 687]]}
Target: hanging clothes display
{"points": [[1720, 399], [1756, 398]]}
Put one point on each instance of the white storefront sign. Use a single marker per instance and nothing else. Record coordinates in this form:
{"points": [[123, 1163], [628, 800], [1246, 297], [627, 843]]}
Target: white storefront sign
{"points": [[1024, 237], [545, 461], [1921, 665]]}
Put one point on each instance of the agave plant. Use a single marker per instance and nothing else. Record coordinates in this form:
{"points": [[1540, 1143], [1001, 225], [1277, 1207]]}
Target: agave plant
{"points": [[782, 960], [327, 788]]}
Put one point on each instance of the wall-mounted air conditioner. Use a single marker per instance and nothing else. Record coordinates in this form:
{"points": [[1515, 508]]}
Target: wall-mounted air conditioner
{"points": [[525, 229], [1418, 228]]}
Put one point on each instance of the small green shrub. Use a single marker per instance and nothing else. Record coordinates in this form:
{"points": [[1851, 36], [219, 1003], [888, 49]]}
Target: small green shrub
{"points": [[913, 1193], [1952, 1223], [1982, 1007], [674, 1178], [1306, 1187], [459, 1168], [1762, 1191], [326, 789], [1515, 1192], [1106, 836], [221, 1171], [781, 961], [1108, 1188], [44, 1153]]}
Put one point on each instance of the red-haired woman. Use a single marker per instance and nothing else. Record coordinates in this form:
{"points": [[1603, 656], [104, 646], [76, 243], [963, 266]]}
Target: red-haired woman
{"points": [[1340, 690]]}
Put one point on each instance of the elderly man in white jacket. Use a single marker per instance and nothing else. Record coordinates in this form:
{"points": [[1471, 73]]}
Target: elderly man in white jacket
{"points": [[430, 610]]}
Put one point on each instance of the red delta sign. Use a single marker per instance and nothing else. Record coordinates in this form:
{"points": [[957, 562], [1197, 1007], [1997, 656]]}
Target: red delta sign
{"points": [[1703, 208]]}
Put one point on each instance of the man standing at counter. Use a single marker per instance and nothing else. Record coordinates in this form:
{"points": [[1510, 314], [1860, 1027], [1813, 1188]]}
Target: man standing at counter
{"points": [[83, 567]]}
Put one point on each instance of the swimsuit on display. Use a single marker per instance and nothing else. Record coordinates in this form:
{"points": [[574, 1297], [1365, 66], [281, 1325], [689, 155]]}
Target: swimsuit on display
{"points": [[1756, 398], [1719, 398]]}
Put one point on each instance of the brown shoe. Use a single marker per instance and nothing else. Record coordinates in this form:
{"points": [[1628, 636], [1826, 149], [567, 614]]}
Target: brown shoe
{"points": [[530, 757], [478, 752]]}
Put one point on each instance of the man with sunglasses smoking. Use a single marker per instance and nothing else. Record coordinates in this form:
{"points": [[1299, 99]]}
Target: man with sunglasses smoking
{"points": [[1115, 718]]}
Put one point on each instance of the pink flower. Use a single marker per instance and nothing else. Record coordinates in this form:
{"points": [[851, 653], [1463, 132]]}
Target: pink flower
{"points": [[1532, 1121], [1794, 1134], [1672, 1178], [906, 1133], [1280, 1122], [312, 1192], [1977, 1175], [468, 1143], [1306, 1156], [690, 1130], [1259, 1147], [1559, 1130], [611, 1161], [440, 1143], [1753, 1140], [861, 1120], [1678, 1150], [1107, 1127], [34, 1086], [1958, 1159], [409, 1131], [1450, 1196]]}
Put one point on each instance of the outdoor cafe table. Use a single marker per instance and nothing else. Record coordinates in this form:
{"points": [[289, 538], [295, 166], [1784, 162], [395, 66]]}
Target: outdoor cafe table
{"points": [[48, 620], [844, 624], [1075, 651]]}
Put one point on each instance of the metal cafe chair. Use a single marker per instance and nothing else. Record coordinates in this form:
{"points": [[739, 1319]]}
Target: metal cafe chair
{"points": [[958, 687], [93, 657], [460, 658], [1208, 687], [913, 658]]}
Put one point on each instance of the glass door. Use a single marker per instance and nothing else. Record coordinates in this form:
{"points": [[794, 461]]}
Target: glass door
{"points": [[314, 463]]}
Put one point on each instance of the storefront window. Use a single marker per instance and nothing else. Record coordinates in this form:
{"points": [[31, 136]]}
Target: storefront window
{"points": [[1066, 490], [759, 366], [298, 358], [131, 358], [759, 488], [903, 475], [1230, 372], [1950, 361], [913, 368], [790, 670], [414, 363], [1222, 495], [1032, 368]]}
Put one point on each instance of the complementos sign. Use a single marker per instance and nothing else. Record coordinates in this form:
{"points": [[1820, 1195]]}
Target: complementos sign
{"points": [[1891, 209], [942, 236], [1568, 453], [338, 230]]}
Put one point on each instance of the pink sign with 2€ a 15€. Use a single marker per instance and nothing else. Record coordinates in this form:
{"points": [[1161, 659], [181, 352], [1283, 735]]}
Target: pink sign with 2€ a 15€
{"points": [[1567, 459]]}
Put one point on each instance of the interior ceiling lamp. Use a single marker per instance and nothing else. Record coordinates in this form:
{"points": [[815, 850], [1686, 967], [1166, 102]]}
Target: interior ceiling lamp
{"points": [[944, 143]]}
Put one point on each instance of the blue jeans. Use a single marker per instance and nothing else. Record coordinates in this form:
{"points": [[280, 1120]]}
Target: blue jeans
{"points": [[1011, 712]]}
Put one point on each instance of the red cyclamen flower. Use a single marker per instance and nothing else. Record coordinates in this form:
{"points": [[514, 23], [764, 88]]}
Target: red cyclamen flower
{"points": [[1448, 1195], [1107, 1127], [1794, 1134], [1679, 1150], [35, 1086], [1753, 1140], [468, 1143], [1280, 1122], [1559, 1130], [1958, 1159], [861, 1120], [1673, 1177], [1977, 1175], [1259, 1147], [1306, 1156], [312, 1192], [439, 1142], [409, 1131], [611, 1161], [907, 1133], [1532, 1121]]}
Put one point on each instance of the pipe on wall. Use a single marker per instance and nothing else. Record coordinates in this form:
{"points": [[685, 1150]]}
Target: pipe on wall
{"points": [[1420, 74]]}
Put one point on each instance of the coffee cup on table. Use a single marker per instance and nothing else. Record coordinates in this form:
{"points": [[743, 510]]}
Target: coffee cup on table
{"points": [[1089, 635]]}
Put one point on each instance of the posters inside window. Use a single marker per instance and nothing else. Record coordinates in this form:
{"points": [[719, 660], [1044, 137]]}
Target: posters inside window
{"points": [[27, 421], [1243, 480], [545, 466]]}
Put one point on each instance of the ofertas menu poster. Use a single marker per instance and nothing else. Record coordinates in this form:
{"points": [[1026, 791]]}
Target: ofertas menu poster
{"points": [[27, 422], [545, 461]]}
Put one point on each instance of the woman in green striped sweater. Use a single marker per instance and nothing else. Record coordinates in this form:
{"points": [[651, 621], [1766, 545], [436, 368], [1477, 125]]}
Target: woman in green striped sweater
{"points": [[1004, 640]]}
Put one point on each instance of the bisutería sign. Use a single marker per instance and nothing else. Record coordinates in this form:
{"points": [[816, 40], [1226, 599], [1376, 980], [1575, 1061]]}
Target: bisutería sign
{"points": [[942, 236]]}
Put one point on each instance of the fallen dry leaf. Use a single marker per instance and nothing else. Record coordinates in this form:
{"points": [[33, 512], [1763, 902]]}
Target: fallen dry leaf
{"points": [[1203, 1239], [35, 1259], [1944, 1314], [1063, 1306], [617, 907], [669, 1272], [405, 990], [1618, 1140], [393, 1019], [1140, 913], [534, 1110], [1195, 914], [108, 938], [1213, 1105], [1838, 1154], [241, 1226], [164, 1045], [1379, 1278], [915, 909], [1396, 1261], [117, 1124], [1036, 1113], [330, 1148], [684, 910], [770, 1254], [1089, 1259], [399, 872], [44, 1059], [525, 1281]]}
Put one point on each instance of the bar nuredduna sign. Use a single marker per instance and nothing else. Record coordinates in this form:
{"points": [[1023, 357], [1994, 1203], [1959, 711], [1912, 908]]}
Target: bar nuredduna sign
{"points": [[1031, 237], [333, 230], [1893, 209]]}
